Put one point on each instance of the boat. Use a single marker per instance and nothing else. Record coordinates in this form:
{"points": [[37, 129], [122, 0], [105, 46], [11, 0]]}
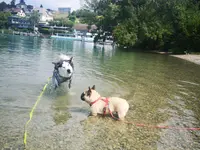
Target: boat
{"points": [[76, 36], [68, 37], [88, 37]]}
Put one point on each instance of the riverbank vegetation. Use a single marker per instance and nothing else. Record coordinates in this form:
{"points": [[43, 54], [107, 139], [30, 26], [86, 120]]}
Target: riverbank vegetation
{"points": [[171, 25], [4, 19]]}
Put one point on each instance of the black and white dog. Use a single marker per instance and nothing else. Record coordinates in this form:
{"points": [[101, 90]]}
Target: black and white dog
{"points": [[63, 71]]}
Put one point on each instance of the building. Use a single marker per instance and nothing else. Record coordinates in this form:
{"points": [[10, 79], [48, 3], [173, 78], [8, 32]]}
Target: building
{"points": [[21, 5], [66, 10], [27, 9], [19, 12], [16, 12], [83, 28], [18, 22], [45, 15], [51, 11]]}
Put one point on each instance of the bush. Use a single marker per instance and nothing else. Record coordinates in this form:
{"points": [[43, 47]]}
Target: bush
{"points": [[177, 50], [44, 31]]}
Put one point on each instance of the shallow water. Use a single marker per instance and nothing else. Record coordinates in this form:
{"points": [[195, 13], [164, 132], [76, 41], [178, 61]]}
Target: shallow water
{"points": [[161, 90]]}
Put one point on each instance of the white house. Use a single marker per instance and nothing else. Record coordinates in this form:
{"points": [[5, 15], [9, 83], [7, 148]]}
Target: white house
{"points": [[16, 11], [45, 15], [21, 13]]}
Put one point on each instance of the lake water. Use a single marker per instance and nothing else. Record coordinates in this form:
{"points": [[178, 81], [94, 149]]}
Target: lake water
{"points": [[161, 90]]}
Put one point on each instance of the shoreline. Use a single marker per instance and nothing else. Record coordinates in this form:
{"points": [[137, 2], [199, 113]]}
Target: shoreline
{"points": [[194, 58], [189, 57]]}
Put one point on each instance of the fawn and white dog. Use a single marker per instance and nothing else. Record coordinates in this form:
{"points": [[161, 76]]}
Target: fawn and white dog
{"points": [[103, 105], [63, 71]]}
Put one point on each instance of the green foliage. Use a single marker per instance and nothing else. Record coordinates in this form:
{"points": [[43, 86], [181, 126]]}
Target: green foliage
{"points": [[4, 19], [125, 34], [50, 31], [158, 24], [45, 31], [73, 13], [72, 18], [34, 18], [176, 50], [93, 5], [3, 6], [61, 22], [22, 29], [86, 16]]}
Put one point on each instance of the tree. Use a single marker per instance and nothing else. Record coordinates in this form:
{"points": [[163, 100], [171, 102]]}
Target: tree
{"points": [[73, 13], [92, 5], [34, 18], [157, 24], [72, 18], [3, 6], [4, 19], [62, 22]]}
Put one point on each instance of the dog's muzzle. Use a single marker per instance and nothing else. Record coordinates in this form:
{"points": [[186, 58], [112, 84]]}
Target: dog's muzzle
{"points": [[82, 96]]}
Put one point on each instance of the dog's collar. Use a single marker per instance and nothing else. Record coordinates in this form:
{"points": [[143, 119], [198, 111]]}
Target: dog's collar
{"points": [[65, 78], [100, 98], [95, 101], [106, 100], [56, 71]]}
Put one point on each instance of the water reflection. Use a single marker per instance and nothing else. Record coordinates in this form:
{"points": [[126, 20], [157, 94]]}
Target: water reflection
{"points": [[61, 45], [60, 106]]}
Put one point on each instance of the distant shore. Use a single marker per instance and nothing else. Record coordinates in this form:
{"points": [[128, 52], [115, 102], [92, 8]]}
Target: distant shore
{"points": [[195, 58], [189, 57]]}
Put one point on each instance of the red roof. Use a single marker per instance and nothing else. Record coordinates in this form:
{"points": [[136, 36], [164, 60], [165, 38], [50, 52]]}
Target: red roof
{"points": [[83, 27], [13, 10]]}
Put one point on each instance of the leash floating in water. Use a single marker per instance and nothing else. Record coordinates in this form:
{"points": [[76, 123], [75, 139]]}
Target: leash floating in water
{"points": [[32, 110]]}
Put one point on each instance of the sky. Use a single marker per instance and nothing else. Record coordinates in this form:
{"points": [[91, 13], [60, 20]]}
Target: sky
{"points": [[52, 4]]}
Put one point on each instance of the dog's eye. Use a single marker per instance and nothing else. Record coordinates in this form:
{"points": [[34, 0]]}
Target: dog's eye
{"points": [[59, 64], [88, 93]]}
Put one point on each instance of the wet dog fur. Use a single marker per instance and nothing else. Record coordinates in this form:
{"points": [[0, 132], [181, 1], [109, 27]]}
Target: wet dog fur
{"points": [[63, 71]]}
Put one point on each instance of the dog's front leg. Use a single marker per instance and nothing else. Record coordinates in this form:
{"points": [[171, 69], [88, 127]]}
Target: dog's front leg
{"points": [[94, 114], [70, 82], [93, 111]]}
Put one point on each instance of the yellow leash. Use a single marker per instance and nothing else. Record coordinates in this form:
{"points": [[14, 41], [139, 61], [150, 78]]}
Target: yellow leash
{"points": [[32, 110]]}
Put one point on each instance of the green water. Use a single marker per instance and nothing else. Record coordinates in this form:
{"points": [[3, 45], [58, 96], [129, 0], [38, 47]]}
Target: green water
{"points": [[161, 90]]}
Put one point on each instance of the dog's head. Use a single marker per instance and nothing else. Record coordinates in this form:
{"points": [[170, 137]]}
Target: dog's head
{"points": [[90, 95], [64, 66]]}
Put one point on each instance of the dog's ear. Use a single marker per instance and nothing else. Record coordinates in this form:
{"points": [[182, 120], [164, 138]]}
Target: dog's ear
{"points": [[93, 87], [70, 60], [89, 89], [89, 92]]}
